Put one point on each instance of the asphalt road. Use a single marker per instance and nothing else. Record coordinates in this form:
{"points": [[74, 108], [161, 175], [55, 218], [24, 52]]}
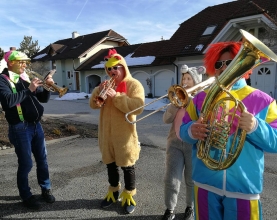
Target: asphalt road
{"points": [[79, 178], [151, 130]]}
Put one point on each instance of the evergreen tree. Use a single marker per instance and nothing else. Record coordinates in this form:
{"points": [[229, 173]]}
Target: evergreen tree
{"points": [[29, 47], [1, 53]]}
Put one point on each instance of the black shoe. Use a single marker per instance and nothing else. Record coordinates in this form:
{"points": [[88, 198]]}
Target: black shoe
{"points": [[106, 203], [168, 215], [128, 209], [47, 196], [189, 215], [31, 203]]}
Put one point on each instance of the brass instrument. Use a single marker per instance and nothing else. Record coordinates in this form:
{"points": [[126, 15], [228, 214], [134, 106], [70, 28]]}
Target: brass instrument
{"points": [[51, 88], [100, 99], [177, 95], [223, 120]]}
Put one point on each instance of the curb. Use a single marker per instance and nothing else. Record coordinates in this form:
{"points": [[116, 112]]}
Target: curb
{"points": [[11, 150], [62, 139]]}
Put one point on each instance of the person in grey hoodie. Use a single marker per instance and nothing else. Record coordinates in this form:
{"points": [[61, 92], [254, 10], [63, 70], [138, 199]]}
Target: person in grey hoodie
{"points": [[178, 153]]}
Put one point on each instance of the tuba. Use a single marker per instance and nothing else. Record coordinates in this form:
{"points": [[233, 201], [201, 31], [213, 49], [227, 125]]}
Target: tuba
{"points": [[51, 88], [223, 121], [100, 99]]}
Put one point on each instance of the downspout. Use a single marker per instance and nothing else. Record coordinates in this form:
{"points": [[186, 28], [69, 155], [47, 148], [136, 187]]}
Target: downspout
{"points": [[177, 71], [73, 65]]}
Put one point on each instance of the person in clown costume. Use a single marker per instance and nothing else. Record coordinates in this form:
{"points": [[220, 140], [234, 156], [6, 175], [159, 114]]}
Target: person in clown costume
{"points": [[232, 193], [118, 139]]}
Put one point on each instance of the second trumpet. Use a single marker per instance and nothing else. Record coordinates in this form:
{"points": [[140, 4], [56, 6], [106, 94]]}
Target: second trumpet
{"points": [[100, 99]]}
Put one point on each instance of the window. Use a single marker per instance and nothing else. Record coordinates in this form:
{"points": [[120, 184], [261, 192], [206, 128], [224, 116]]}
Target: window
{"points": [[264, 71], [209, 30], [186, 48], [76, 46], [199, 47], [68, 74]]}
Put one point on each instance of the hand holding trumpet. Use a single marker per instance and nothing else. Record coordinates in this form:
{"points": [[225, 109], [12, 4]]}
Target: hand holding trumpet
{"points": [[36, 82], [49, 80], [109, 90]]}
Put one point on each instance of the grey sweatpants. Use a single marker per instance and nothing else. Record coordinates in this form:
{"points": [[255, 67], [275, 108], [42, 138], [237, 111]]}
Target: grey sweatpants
{"points": [[178, 162]]}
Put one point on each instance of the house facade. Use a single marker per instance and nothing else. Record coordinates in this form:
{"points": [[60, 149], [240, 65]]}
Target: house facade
{"points": [[80, 65], [3, 65]]}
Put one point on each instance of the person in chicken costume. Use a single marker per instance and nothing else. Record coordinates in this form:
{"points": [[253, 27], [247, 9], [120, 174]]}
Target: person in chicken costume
{"points": [[118, 139]]}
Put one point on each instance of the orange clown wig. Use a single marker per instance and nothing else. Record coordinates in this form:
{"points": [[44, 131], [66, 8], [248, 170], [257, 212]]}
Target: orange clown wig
{"points": [[216, 50]]}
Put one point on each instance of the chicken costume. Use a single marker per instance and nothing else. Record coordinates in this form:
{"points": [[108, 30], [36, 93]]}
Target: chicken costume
{"points": [[118, 139]]}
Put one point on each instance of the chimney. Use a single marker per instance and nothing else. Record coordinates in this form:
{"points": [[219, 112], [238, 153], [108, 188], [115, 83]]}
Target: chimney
{"points": [[75, 34]]}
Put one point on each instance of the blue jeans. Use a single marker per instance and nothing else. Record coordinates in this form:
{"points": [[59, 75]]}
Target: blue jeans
{"points": [[28, 138]]}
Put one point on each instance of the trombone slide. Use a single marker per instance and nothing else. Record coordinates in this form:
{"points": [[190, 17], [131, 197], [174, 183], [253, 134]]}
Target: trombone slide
{"points": [[177, 95]]}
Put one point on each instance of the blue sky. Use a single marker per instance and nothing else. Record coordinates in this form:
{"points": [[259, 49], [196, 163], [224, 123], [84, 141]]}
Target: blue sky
{"points": [[139, 21]]}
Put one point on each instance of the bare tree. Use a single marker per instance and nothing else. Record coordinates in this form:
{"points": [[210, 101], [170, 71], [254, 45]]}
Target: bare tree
{"points": [[40, 67]]}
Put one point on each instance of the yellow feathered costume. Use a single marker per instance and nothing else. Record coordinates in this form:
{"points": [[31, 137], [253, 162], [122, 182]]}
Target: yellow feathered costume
{"points": [[118, 139]]}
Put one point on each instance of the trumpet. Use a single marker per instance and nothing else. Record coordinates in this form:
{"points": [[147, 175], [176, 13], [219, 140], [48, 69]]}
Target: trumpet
{"points": [[100, 99], [178, 96], [51, 88]]}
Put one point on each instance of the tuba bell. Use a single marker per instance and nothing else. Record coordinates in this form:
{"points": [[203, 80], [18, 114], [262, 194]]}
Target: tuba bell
{"points": [[223, 121]]}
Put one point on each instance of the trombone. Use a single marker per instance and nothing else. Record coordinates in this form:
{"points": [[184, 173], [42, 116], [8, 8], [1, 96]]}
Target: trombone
{"points": [[177, 95]]}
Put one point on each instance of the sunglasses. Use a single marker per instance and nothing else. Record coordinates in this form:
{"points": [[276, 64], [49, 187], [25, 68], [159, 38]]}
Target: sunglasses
{"points": [[219, 64], [113, 68]]}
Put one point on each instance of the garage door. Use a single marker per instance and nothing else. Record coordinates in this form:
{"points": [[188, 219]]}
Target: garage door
{"points": [[163, 81], [141, 76], [263, 78]]}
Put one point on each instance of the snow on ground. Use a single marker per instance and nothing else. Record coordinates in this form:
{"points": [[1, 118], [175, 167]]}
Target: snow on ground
{"points": [[154, 106]]}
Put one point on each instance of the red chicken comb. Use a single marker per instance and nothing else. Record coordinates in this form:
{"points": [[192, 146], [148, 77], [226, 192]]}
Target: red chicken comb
{"points": [[110, 53]]}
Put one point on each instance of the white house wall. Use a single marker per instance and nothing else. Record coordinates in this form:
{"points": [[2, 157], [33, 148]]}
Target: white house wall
{"points": [[142, 76], [162, 78], [61, 69], [3, 65], [65, 66], [104, 45]]}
